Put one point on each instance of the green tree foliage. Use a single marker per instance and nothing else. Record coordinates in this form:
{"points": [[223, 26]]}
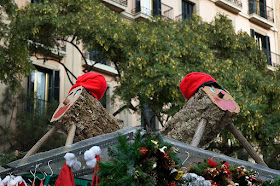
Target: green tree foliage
{"points": [[14, 55], [152, 57]]}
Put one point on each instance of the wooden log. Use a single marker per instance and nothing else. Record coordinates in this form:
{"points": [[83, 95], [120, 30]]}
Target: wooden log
{"points": [[243, 141], [71, 135], [42, 141], [182, 126], [90, 117], [199, 132]]}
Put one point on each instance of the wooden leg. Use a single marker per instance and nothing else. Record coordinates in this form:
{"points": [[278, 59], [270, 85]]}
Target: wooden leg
{"points": [[243, 141], [199, 132], [39, 143], [71, 135]]}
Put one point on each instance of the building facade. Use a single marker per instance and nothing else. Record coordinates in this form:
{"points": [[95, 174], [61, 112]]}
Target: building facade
{"points": [[259, 18]]}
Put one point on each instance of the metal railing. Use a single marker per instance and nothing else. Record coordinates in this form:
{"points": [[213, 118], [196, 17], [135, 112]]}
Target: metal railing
{"points": [[167, 12], [121, 2], [183, 16], [275, 59], [236, 2], [142, 10], [259, 8]]}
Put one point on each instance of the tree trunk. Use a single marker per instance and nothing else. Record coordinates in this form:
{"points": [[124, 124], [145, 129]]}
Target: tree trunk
{"points": [[182, 126], [89, 116]]}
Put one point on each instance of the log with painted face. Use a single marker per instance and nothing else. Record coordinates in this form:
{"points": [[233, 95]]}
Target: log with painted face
{"points": [[209, 109], [219, 96], [82, 108]]}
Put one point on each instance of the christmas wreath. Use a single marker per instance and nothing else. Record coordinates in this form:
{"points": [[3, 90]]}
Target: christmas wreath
{"points": [[148, 160]]}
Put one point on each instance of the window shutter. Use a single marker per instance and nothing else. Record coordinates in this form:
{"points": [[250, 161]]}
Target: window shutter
{"points": [[187, 9], [262, 8], [138, 6], [268, 52], [252, 33], [156, 7], [56, 84], [252, 6]]}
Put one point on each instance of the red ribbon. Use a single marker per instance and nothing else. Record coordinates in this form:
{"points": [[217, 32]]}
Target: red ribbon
{"points": [[95, 177]]}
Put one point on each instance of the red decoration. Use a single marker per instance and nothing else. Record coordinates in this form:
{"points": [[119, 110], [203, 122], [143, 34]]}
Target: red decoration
{"points": [[212, 163], [143, 151], [192, 81], [225, 165], [172, 183], [95, 83], [165, 155], [95, 177], [65, 177]]}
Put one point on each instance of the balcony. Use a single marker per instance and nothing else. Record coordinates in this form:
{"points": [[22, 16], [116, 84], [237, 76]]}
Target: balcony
{"points": [[95, 61], [116, 5], [143, 13], [275, 59], [261, 14], [234, 6], [274, 64]]}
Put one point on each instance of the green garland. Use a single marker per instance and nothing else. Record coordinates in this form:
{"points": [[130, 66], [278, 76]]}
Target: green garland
{"points": [[146, 161], [220, 173]]}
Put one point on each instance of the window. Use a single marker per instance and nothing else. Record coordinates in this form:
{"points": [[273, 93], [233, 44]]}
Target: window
{"points": [[263, 44], [37, 1], [95, 55], [187, 9], [258, 7], [44, 85]]}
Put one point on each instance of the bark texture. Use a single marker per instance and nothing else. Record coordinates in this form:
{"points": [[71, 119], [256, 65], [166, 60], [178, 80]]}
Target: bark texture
{"points": [[182, 126], [90, 117]]}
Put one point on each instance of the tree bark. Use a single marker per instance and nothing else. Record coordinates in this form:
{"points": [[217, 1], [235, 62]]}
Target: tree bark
{"points": [[90, 117], [182, 126]]}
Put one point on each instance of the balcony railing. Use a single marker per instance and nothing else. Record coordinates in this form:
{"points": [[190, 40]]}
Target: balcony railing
{"points": [[142, 10], [234, 6], [275, 59], [167, 12], [236, 2], [259, 8], [121, 2]]}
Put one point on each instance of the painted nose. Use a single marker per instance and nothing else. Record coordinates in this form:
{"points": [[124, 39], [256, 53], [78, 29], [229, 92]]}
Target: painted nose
{"points": [[66, 101], [221, 94]]}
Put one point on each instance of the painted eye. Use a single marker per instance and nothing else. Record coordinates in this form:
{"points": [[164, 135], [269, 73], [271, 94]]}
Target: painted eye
{"points": [[211, 88], [76, 92]]}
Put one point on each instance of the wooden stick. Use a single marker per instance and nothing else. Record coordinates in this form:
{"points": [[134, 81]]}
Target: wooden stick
{"points": [[199, 132], [39, 143], [243, 141], [71, 135]]}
